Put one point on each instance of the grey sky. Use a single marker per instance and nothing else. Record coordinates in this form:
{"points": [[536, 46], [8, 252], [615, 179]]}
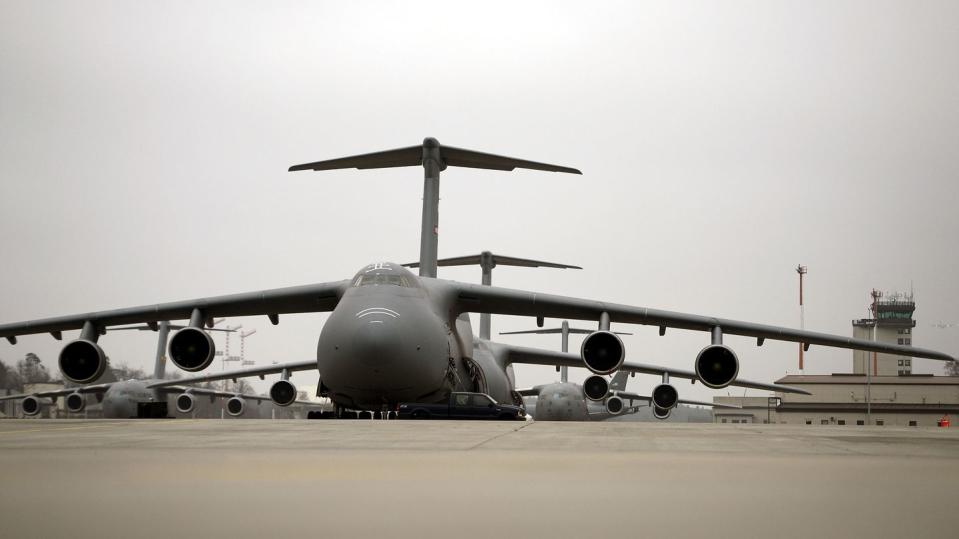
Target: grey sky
{"points": [[144, 147]]}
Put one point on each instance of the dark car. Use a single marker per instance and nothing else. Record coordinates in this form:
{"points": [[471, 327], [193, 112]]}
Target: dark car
{"points": [[461, 406]]}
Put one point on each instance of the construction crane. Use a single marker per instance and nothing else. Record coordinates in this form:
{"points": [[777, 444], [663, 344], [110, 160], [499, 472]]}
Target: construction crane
{"points": [[243, 336]]}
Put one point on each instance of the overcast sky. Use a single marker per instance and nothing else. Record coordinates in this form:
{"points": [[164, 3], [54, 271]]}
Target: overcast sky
{"points": [[144, 148]]}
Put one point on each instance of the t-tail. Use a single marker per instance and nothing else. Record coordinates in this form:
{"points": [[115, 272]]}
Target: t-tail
{"points": [[434, 158]]}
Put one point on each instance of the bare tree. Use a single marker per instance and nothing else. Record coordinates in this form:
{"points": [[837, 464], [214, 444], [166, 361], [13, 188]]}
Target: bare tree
{"points": [[32, 370], [10, 378], [126, 372], [952, 368]]}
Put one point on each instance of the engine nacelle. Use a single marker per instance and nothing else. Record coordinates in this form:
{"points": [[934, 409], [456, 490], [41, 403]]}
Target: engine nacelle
{"points": [[282, 393], [82, 361], [192, 349], [661, 413], [595, 388], [185, 403], [30, 405], [603, 352], [717, 366], [235, 406], [76, 403], [614, 405], [665, 396]]}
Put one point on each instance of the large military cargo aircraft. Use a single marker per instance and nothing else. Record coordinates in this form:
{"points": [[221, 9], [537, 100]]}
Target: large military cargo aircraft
{"points": [[393, 336], [123, 399]]}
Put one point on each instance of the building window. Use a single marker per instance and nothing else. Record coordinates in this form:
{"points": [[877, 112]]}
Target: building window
{"points": [[724, 420], [908, 331], [823, 421], [909, 342], [880, 422], [909, 363], [860, 422], [912, 423], [899, 340], [900, 363], [841, 422], [809, 421]]}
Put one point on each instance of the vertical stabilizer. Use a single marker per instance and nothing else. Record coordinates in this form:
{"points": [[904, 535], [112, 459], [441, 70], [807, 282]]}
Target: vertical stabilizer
{"points": [[434, 158]]}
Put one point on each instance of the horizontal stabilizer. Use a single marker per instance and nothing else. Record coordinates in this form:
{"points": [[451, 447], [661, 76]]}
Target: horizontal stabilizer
{"points": [[498, 260], [579, 331], [448, 156]]}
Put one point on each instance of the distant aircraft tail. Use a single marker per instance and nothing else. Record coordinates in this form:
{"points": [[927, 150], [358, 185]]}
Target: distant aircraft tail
{"points": [[618, 383]]}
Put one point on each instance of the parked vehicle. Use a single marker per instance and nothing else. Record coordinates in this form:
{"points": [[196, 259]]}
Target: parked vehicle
{"points": [[461, 406]]}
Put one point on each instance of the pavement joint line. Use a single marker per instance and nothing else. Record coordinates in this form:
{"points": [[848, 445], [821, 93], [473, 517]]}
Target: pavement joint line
{"points": [[82, 427], [500, 435]]}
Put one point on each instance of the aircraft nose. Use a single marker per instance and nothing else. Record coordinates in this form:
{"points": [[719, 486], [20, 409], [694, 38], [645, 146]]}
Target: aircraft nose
{"points": [[377, 343]]}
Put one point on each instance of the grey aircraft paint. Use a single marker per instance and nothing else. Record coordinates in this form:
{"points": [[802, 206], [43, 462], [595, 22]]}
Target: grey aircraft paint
{"points": [[123, 399], [393, 336]]}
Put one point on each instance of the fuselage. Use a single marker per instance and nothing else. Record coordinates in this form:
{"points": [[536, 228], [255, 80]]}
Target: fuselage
{"points": [[124, 399], [392, 338]]}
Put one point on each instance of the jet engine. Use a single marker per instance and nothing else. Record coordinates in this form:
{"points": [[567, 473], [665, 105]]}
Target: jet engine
{"points": [[603, 352], [192, 349], [30, 405], [235, 406], [76, 403], [665, 396], [614, 405], [595, 388], [661, 413], [717, 366], [82, 361], [185, 403], [282, 393]]}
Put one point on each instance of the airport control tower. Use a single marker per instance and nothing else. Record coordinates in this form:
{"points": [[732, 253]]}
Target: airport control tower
{"points": [[893, 322]]}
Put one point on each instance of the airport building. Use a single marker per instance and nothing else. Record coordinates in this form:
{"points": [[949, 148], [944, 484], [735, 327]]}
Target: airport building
{"points": [[841, 399], [889, 395]]}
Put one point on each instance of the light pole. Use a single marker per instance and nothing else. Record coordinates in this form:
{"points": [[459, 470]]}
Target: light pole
{"points": [[801, 270]]}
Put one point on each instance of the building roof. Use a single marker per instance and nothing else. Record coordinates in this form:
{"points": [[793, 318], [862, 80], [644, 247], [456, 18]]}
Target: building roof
{"points": [[858, 379]]}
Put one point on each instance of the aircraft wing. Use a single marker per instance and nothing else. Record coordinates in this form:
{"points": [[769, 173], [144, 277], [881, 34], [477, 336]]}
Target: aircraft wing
{"points": [[296, 299], [495, 300], [225, 394], [635, 396], [278, 368], [528, 392], [98, 388], [536, 356]]}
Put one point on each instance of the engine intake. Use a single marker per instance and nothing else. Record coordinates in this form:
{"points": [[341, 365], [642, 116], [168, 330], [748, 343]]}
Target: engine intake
{"points": [[76, 403], [30, 405], [595, 388], [192, 349], [82, 361], [185, 403], [661, 413], [235, 406], [282, 393], [603, 352], [614, 405], [665, 396], [717, 366]]}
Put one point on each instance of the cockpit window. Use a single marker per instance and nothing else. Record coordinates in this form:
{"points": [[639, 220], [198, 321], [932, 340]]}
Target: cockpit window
{"points": [[381, 279]]}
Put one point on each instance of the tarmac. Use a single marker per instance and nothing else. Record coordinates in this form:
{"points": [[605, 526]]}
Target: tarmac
{"points": [[397, 479]]}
